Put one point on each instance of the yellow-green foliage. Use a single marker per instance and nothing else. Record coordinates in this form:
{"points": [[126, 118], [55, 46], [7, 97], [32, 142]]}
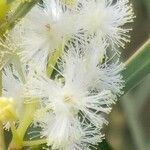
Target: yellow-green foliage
{"points": [[4, 7]]}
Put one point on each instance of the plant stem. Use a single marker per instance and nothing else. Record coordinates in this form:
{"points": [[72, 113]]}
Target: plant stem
{"points": [[21, 11], [30, 108], [29, 111], [4, 8], [34, 142], [53, 57], [137, 67], [2, 143], [16, 141]]}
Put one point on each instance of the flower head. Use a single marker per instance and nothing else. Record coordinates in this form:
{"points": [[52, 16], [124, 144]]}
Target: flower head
{"points": [[107, 20], [45, 28], [49, 25], [85, 80], [75, 100], [13, 86]]}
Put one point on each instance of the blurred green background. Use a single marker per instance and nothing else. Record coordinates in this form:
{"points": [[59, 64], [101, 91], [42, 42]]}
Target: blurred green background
{"points": [[129, 127]]}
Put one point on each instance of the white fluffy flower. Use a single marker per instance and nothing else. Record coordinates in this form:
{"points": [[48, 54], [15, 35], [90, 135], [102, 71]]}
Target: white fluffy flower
{"points": [[107, 18], [48, 26], [91, 69], [106, 73], [14, 89], [13, 83], [12, 93], [72, 105], [45, 28], [9, 51], [78, 98], [67, 133], [66, 108]]}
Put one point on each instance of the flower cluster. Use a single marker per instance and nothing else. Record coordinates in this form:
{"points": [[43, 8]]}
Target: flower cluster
{"points": [[77, 41]]}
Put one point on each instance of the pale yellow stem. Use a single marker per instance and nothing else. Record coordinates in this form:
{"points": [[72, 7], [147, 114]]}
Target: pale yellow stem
{"points": [[34, 142], [29, 111], [53, 58]]}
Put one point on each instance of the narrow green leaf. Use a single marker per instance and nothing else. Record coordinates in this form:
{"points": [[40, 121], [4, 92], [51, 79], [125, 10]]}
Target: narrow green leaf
{"points": [[137, 67], [104, 146]]}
